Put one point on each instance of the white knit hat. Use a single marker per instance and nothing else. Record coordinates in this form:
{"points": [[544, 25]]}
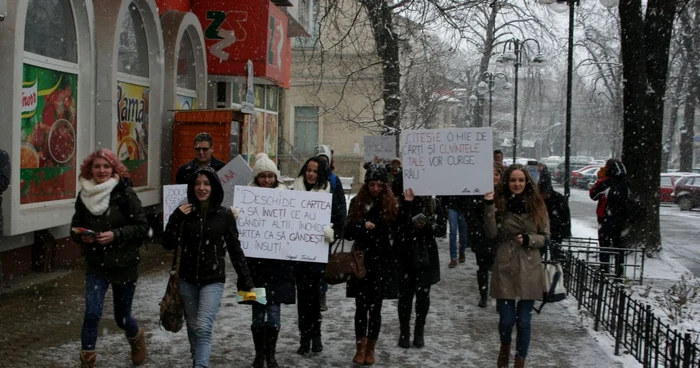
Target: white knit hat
{"points": [[263, 164], [323, 150]]}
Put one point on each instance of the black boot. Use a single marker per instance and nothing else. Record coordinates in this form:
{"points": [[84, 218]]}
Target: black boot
{"points": [[259, 341], [271, 334], [322, 302], [405, 336], [418, 334], [304, 345]]}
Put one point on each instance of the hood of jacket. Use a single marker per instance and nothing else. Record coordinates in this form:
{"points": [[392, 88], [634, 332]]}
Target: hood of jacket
{"points": [[217, 190]]}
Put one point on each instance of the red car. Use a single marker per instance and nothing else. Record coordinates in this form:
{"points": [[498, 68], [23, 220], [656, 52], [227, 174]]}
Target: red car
{"points": [[687, 192], [668, 182], [579, 174]]}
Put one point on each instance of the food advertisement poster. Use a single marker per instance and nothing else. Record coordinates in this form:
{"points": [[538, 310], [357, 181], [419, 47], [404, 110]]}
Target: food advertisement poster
{"points": [[185, 102], [132, 130], [48, 140]]}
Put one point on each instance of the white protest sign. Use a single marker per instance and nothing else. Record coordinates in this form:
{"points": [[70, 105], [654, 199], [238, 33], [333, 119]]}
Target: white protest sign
{"points": [[236, 172], [283, 224], [382, 148], [452, 161], [173, 197]]}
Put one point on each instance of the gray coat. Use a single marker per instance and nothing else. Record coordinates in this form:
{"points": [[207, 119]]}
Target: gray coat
{"points": [[517, 270]]}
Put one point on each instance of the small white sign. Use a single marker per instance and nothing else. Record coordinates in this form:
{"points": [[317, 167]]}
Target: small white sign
{"points": [[173, 197], [380, 148], [452, 161], [236, 172], [283, 224]]}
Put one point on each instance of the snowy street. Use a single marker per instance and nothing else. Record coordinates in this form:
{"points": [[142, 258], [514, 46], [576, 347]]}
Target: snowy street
{"points": [[458, 333], [680, 231]]}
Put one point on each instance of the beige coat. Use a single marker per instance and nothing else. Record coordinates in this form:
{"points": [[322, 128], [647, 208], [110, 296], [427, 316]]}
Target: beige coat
{"points": [[517, 270]]}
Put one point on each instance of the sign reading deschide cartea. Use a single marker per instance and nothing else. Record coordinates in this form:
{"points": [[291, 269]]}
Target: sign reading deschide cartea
{"points": [[283, 224], [453, 161]]}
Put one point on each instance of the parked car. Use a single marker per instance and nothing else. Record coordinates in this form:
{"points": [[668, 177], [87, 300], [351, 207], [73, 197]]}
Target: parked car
{"points": [[686, 193], [552, 162], [581, 178], [558, 175], [668, 182]]}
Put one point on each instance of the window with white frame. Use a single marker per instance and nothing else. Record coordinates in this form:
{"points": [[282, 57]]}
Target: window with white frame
{"points": [[186, 74], [305, 128], [308, 18], [49, 93], [133, 86]]}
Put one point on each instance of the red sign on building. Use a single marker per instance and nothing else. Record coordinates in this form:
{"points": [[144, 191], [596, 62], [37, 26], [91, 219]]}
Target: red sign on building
{"points": [[238, 31]]}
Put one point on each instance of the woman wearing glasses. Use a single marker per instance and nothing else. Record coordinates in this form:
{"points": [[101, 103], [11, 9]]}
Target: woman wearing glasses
{"points": [[203, 148]]}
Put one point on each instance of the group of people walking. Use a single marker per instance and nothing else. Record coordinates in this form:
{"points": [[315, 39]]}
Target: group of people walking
{"points": [[396, 229]]}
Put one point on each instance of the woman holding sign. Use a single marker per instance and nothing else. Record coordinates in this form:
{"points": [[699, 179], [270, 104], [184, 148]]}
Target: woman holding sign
{"points": [[516, 217], [372, 213], [110, 224], [206, 231], [276, 276], [313, 177]]}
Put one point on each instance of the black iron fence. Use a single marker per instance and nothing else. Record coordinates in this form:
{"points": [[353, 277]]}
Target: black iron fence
{"points": [[632, 324], [630, 261]]}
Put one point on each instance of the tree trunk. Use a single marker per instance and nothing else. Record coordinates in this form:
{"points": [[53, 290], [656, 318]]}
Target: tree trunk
{"points": [[673, 121], [484, 65], [687, 132], [387, 45], [644, 90]]}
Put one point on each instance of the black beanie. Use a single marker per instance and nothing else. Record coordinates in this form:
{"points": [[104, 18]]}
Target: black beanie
{"points": [[375, 172]]}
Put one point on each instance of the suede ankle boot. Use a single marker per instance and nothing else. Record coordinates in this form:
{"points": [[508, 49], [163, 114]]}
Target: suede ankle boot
{"points": [[88, 358], [519, 362], [138, 347], [369, 353], [361, 346], [405, 336], [503, 356], [418, 340]]}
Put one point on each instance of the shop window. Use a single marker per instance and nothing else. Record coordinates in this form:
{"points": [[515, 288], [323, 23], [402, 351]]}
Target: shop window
{"points": [[308, 18], [133, 47], [271, 101], [186, 74], [50, 30], [48, 168], [305, 129]]}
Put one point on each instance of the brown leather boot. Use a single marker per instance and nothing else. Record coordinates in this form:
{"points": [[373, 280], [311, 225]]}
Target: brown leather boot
{"points": [[360, 353], [138, 347], [503, 356], [88, 358], [519, 362], [369, 355]]}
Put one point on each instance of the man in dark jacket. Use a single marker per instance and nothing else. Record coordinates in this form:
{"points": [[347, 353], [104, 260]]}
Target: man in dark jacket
{"points": [[611, 191], [203, 147], [5, 170]]}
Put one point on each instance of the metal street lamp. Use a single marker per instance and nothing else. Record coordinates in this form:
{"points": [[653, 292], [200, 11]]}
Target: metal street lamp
{"points": [[561, 6], [514, 54], [488, 85]]}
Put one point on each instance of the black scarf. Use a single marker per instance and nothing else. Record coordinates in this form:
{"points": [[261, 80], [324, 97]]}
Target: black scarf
{"points": [[516, 205]]}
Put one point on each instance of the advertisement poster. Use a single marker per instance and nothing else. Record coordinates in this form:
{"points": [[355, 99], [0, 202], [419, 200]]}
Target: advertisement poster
{"points": [[48, 140], [132, 130], [259, 142], [185, 102], [271, 136]]}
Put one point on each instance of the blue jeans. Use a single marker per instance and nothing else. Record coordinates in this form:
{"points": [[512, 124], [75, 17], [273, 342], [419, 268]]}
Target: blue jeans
{"points": [[95, 290], [273, 315], [200, 304], [518, 315], [457, 224]]}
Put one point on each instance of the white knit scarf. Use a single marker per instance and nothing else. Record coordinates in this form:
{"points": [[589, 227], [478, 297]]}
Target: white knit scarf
{"points": [[299, 185], [96, 196]]}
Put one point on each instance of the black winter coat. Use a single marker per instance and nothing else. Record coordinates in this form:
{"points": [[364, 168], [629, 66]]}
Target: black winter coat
{"points": [[185, 171], [276, 276], [116, 262], [206, 237], [612, 193], [381, 281], [416, 248], [559, 217], [476, 237], [5, 172]]}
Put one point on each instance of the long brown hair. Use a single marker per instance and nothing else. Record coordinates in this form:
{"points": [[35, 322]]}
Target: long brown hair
{"points": [[533, 200], [386, 200]]}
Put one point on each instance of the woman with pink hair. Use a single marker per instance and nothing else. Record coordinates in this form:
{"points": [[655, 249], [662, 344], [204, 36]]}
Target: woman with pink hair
{"points": [[110, 224]]}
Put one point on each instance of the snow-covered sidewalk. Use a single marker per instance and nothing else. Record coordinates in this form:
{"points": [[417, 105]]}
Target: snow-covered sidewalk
{"points": [[458, 333]]}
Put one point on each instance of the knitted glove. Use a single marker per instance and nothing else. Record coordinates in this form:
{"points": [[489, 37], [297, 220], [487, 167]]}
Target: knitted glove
{"points": [[329, 234], [236, 212]]}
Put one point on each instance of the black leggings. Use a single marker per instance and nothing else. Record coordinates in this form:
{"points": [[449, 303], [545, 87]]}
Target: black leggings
{"points": [[308, 299], [484, 261], [368, 318], [408, 289]]}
